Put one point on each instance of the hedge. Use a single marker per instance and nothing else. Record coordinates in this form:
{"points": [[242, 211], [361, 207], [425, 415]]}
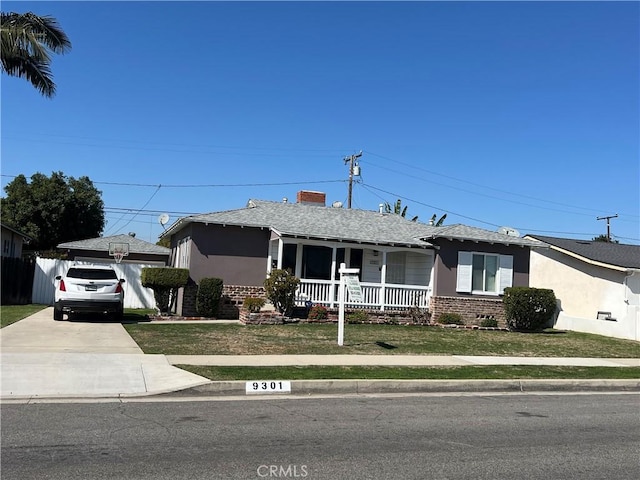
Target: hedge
{"points": [[528, 309], [164, 281], [208, 296]]}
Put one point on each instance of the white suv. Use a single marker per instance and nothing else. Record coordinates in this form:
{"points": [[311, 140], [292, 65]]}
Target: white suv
{"points": [[90, 289]]}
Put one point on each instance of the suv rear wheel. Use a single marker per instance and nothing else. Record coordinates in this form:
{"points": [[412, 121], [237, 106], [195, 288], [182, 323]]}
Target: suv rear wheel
{"points": [[57, 313]]}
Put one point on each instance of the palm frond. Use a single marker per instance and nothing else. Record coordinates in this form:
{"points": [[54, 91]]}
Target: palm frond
{"points": [[26, 40]]}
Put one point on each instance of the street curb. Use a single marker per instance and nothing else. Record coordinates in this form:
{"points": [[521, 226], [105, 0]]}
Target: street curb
{"points": [[355, 387]]}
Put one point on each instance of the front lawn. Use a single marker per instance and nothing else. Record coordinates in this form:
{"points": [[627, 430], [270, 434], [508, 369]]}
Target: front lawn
{"points": [[300, 339], [12, 313]]}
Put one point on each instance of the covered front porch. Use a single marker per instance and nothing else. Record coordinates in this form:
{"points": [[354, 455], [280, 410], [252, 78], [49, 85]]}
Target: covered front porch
{"points": [[392, 277]]}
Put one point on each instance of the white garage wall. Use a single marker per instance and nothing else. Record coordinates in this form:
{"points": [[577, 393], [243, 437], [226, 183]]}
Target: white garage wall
{"points": [[135, 295]]}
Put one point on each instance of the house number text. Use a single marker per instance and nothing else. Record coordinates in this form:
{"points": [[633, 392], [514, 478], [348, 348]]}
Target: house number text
{"points": [[268, 386]]}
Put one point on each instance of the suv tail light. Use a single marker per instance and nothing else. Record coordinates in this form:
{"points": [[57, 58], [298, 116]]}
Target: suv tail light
{"points": [[119, 288], [62, 287]]}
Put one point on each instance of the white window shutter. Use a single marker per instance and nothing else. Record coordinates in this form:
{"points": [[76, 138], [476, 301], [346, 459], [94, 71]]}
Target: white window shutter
{"points": [[506, 272], [465, 269]]}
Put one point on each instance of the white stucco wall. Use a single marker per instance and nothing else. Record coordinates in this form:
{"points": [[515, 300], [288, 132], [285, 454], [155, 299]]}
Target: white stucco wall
{"points": [[582, 291]]}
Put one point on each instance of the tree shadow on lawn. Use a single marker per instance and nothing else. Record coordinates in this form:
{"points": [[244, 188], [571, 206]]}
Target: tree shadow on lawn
{"points": [[386, 346]]}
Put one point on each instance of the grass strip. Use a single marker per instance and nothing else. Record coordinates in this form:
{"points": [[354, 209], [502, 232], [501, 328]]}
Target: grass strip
{"points": [[504, 372], [12, 313], [302, 339]]}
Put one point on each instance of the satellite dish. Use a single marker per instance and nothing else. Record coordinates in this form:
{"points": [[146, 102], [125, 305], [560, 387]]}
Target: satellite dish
{"points": [[163, 219], [336, 204], [512, 232]]}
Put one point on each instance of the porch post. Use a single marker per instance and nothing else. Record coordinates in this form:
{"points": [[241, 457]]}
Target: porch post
{"points": [[269, 258], [383, 280], [332, 285], [280, 252], [299, 250]]}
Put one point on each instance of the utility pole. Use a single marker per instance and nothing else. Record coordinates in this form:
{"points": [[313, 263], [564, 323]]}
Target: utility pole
{"points": [[351, 160], [608, 224]]}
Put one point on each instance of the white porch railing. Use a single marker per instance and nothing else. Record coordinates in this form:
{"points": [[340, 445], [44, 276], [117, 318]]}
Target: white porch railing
{"points": [[396, 297]]}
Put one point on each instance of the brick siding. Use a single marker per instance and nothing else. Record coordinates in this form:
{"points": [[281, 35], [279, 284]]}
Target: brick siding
{"points": [[230, 303], [372, 317], [472, 310]]}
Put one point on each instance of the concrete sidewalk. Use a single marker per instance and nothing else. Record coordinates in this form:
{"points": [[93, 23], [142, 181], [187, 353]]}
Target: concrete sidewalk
{"points": [[392, 360]]}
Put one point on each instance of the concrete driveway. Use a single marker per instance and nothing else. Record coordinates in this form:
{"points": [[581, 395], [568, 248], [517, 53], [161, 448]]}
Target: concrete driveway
{"points": [[81, 358]]}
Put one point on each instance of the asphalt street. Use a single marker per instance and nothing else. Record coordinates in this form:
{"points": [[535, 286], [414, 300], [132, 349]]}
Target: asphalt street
{"points": [[515, 436]]}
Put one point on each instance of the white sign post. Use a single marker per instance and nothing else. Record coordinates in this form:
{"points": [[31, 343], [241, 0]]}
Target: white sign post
{"points": [[348, 279]]}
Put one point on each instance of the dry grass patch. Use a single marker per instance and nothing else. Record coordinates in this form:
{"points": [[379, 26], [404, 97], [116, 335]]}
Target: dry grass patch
{"points": [[301, 339]]}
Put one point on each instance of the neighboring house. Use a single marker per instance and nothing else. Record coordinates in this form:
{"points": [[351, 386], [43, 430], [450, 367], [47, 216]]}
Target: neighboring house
{"points": [[97, 250], [597, 284], [12, 241], [402, 263]]}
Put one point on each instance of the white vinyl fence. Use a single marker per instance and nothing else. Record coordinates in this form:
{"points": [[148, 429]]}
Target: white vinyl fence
{"points": [[135, 295]]}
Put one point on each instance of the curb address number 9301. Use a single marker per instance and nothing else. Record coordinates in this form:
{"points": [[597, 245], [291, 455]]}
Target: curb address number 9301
{"points": [[268, 386]]}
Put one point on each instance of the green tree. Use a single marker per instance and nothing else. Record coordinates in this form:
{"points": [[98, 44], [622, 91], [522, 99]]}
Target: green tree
{"points": [[280, 288], [604, 238], [52, 210], [164, 242], [27, 40], [398, 209]]}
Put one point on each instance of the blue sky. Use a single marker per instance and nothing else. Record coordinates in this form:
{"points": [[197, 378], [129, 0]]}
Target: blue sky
{"points": [[524, 114]]}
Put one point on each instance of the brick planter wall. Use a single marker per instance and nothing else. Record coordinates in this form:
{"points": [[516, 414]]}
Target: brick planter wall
{"points": [[232, 298], [472, 310], [374, 317], [230, 303]]}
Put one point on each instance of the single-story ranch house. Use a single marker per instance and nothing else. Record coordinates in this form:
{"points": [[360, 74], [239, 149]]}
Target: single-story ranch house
{"points": [[597, 284], [403, 264]]}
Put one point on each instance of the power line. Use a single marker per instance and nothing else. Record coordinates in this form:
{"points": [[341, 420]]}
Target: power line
{"points": [[110, 141], [483, 187], [210, 185], [134, 216], [478, 220], [203, 149], [431, 206]]}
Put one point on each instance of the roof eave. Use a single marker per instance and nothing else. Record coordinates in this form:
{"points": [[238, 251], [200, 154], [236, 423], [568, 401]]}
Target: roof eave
{"points": [[584, 259]]}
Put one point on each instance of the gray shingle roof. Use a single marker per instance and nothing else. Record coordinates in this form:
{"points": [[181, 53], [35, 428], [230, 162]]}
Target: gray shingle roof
{"points": [[464, 232], [619, 255], [102, 244], [352, 225]]}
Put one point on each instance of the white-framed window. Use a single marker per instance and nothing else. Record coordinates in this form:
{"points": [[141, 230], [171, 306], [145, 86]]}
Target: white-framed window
{"points": [[396, 264], [484, 273], [183, 253]]}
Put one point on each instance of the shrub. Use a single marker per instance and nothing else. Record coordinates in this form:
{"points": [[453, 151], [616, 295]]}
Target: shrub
{"points": [[451, 319], [208, 297], [359, 316], [253, 304], [419, 315], [164, 281], [528, 309], [281, 290], [318, 312], [489, 322]]}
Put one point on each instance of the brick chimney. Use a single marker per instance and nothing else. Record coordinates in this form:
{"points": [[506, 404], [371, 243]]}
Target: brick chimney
{"points": [[308, 197]]}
